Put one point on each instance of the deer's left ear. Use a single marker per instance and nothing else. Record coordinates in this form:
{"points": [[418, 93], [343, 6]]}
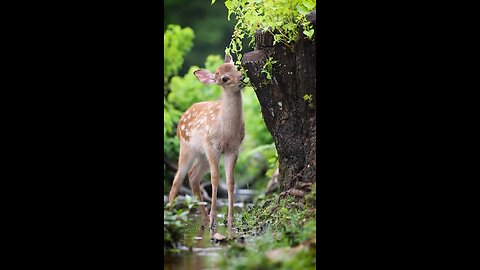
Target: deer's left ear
{"points": [[228, 59]]}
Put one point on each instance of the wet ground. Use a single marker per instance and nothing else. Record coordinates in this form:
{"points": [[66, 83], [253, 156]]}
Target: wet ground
{"points": [[197, 250]]}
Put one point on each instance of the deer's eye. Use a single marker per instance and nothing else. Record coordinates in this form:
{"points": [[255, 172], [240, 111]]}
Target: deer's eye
{"points": [[224, 79]]}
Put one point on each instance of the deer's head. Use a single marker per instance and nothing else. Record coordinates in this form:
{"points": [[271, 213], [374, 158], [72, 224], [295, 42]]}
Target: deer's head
{"points": [[227, 76]]}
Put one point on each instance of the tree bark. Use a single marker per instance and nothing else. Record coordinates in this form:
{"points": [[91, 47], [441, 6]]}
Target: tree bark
{"points": [[288, 116]]}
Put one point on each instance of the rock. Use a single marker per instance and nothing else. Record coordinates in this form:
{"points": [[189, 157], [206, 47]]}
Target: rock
{"points": [[296, 192], [218, 237]]}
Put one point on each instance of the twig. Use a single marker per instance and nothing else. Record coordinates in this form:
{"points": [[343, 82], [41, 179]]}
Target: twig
{"points": [[170, 164], [204, 193]]}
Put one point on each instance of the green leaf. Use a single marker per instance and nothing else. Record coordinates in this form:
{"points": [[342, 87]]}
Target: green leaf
{"points": [[309, 5], [302, 9], [309, 33], [229, 4], [213, 2]]}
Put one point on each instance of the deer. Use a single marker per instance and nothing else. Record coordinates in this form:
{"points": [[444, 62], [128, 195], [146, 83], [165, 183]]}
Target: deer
{"points": [[208, 130]]}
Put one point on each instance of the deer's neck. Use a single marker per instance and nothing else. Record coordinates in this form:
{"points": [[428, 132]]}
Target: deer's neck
{"points": [[231, 112]]}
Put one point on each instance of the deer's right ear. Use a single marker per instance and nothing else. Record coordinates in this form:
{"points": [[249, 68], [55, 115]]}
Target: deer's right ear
{"points": [[204, 76]]}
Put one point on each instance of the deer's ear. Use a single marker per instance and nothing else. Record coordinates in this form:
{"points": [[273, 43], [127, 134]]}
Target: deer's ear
{"points": [[204, 76], [228, 59]]}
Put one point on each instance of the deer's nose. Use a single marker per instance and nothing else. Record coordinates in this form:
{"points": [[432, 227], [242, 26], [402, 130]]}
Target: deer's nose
{"points": [[241, 78]]}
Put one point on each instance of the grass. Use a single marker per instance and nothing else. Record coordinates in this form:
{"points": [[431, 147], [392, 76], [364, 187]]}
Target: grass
{"points": [[286, 230]]}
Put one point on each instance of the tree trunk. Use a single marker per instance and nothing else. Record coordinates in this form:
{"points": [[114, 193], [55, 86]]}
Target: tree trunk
{"points": [[288, 116]]}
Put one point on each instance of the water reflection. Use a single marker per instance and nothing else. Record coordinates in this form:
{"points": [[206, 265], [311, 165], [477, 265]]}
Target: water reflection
{"points": [[197, 250], [199, 237]]}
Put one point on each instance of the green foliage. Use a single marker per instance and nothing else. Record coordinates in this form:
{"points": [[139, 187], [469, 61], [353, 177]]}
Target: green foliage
{"points": [[174, 221], [170, 120], [289, 222], [257, 147], [279, 17], [173, 225], [212, 30], [177, 42], [311, 197], [265, 153], [308, 98], [268, 68], [289, 215], [303, 260], [188, 89]]}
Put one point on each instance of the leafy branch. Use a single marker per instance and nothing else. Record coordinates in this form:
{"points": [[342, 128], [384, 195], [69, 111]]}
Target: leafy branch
{"points": [[279, 17]]}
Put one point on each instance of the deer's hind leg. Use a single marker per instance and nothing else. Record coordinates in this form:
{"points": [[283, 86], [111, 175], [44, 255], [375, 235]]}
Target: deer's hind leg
{"points": [[185, 161]]}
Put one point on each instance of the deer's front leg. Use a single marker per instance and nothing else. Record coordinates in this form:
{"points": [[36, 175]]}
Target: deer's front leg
{"points": [[213, 158], [230, 161]]}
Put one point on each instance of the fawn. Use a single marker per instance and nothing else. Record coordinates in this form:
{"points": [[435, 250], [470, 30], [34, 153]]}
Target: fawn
{"points": [[207, 130]]}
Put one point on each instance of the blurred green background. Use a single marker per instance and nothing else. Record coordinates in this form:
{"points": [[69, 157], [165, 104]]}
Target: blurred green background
{"points": [[196, 34], [208, 22]]}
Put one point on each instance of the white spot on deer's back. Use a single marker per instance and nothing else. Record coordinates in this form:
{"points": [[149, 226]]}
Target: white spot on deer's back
{"points": [[183, 127]]}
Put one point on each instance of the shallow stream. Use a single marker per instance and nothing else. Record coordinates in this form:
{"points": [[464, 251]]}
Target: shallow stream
{"points": [[197, 251]]}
